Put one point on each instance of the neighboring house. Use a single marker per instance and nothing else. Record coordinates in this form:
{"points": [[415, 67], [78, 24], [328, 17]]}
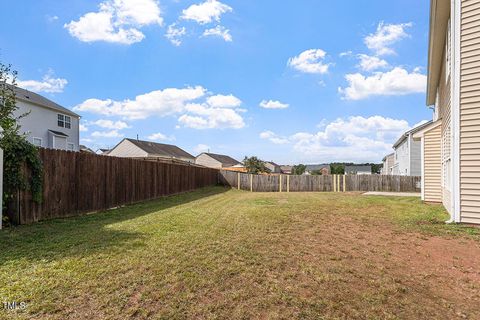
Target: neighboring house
{"points": [[408, 153], [86, 149], [272, 166], [358, 170], [453, 88], [132, 148], [388, 164], [286, 169], [324, 169], [217, 161], [103, 152], [47, 124]]}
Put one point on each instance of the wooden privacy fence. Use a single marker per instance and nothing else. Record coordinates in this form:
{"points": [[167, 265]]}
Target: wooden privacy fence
{"points": [[328, 183], [76, 183]]}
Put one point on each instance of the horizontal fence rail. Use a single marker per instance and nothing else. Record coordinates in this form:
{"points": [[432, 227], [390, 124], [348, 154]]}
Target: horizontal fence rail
{"points": [[76, 183], [327, 183]]}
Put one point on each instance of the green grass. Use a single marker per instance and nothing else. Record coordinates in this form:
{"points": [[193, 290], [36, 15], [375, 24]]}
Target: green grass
{"points": [[227, 254]]}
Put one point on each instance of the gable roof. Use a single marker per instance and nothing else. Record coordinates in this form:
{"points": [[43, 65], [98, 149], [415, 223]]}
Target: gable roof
{"points": [[411, 131], [358, 168], [316, 167], [154, 149], [32, 97], [272, 163], [388, 156], [223, 159]]}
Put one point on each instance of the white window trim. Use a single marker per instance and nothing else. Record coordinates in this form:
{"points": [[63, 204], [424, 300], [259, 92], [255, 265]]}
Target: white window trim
{"points": [[33, 141]]}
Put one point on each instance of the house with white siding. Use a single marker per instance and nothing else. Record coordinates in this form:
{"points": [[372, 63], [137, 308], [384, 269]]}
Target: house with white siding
{"points": [[450, 154], [388, 162], [47, 124], [407, 155]]}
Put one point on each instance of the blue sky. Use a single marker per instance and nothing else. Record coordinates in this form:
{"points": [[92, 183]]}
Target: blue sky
{"points": [[291, 81]]}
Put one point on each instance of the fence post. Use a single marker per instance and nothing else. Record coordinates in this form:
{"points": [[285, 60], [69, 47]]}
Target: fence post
{"points": [[280, 183], [1, 186], [334, 182], [344, 184], [238, 180], [251, 183], [288, 183]]}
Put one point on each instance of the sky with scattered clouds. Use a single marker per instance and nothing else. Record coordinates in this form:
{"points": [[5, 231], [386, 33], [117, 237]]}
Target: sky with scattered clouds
{"points": [[290, 81]]}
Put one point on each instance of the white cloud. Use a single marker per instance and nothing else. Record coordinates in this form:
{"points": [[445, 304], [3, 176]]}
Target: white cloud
{"points": [[156, 103], [194, 107], [206, 12], [48, 84], [392, 83], [107, 134], [219, 31], [116, 21], [109, 124], [83, 128], [346, 54], [274, 138], [224, 101], [310, 61], [386, 35], [160, 137], [271, 104], [174, 34], [356, 139], [203, 116], [201, 148], [370, 63]]}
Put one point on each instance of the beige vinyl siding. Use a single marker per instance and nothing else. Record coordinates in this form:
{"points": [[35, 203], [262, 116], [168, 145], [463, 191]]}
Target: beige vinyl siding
{"points": [[445, 112], [207, 161], [126, 149], [433, 165], [470, 112]]}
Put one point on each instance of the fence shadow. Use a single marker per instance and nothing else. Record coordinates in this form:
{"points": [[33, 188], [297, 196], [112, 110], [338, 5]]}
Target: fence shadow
{"points": [[84, 235]]}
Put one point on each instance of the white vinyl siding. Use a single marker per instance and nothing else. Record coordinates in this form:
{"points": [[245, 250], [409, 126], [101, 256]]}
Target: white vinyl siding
{"points": [[470, 112]]}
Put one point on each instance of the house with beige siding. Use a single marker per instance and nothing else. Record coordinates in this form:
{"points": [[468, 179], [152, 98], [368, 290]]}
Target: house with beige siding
{"points": [[216, 161], [134, 148], [451, 144]]}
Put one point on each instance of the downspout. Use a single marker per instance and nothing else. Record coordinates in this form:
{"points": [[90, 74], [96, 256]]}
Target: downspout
{"points": [[455, 79]]}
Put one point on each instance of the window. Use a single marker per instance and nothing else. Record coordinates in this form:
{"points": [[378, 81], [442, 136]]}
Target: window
{"points": [[37, 142], [70, 146], [64, 121]]}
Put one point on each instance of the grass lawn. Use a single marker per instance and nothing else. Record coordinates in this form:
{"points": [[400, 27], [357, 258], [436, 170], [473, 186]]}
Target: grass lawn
{"points": [[227, 254]]}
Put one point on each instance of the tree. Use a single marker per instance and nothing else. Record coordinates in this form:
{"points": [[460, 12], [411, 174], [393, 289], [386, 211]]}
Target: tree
{"points": [[299, 169], [337, 168], [17, 150], [255, 165]]}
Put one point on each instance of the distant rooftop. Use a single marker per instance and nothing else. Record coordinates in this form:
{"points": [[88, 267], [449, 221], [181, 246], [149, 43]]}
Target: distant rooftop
{"points": [[223, 159], [155, 149]]}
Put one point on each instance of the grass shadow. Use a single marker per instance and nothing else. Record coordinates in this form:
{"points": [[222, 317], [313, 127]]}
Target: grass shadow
{"points": [[83, 235]]}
